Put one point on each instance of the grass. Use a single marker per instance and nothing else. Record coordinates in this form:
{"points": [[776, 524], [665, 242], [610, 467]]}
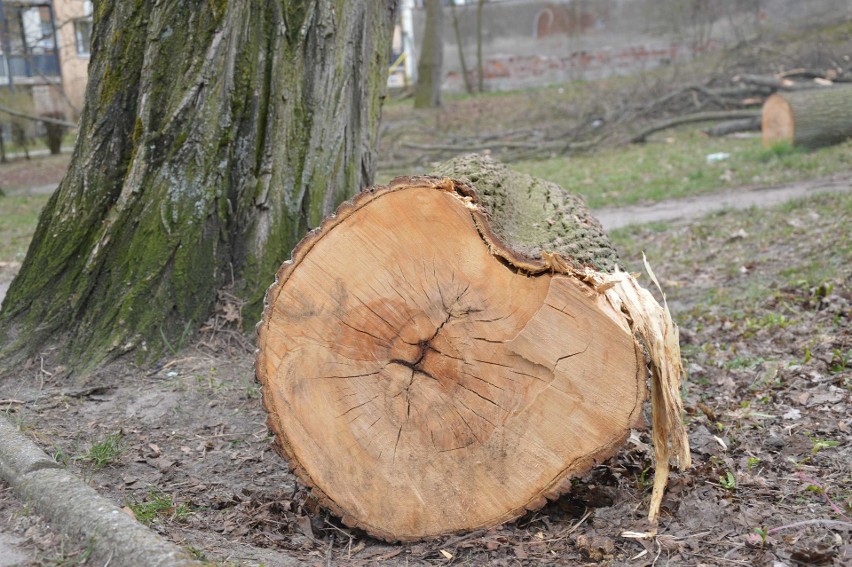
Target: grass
{"points": [[18, 218], [158, 505], [796, 252], [104, 453], [677, 167]]}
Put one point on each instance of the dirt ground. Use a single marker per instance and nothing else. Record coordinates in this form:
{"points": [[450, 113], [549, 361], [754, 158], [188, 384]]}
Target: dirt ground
{"points": [[764, 303]]}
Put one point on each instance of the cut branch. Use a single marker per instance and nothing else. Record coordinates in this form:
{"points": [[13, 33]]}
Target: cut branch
{"points": [[696, 117], [734, 126]]}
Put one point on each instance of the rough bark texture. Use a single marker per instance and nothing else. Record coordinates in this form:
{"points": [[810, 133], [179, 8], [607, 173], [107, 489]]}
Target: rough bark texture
{"points": [[213, 137], [809, 118], [425, 376], [533, 215], [429, 67]]}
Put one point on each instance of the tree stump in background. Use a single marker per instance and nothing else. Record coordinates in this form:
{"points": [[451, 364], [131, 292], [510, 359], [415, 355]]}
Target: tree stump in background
{"points": [[809, 118], [436, 361]]}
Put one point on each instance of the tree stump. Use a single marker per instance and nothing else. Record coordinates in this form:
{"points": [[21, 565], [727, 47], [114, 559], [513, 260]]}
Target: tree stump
{"points": [[809, 118], [434, 360]]}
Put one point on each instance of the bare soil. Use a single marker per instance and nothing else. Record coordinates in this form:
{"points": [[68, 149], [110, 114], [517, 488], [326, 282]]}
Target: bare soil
{"points": [[39, 172], [764, 303]]}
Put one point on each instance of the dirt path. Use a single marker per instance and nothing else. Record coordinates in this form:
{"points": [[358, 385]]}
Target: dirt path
{"points": [[740, 198]]}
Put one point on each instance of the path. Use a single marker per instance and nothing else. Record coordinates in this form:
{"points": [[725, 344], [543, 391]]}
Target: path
{"points": [[741, 198]]}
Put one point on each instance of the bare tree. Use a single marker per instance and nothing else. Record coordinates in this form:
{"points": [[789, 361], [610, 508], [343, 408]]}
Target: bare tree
{"points": [[430, 67]]}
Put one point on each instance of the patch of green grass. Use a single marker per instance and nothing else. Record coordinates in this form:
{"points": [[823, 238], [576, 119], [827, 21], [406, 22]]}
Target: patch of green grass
{"points": [[728, 481], [820, 444], [679, 168], [105, 452], [156, 506], [840, 360], [18, 218]]}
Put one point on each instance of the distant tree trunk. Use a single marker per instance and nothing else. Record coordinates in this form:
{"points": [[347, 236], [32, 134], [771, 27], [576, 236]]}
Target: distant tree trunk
{"points": [[457, 30], [430, 66], [480, 74], [214, 135]]}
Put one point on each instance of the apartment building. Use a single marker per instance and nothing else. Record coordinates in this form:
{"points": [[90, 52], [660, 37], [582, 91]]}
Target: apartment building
{"points": [[44, 50]]}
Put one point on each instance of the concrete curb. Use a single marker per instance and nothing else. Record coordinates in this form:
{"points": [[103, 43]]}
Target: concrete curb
{"points": [[73, 507]]}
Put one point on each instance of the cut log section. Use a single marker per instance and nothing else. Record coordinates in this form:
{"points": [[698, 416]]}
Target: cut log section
{"points": [[808, 119], [431, 364]]}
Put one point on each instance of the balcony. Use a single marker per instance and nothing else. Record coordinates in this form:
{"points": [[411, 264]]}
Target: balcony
{"points": [[28, 54]]}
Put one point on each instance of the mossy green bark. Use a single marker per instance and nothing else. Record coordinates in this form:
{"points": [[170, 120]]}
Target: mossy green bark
{"points": [[213, 137], [534, 216]]}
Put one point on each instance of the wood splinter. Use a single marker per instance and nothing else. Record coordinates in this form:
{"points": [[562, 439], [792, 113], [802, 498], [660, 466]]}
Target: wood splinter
{"points": [[437, 360]]}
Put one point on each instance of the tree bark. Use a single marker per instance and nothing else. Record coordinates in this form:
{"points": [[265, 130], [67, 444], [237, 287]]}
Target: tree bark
{"points": [[430, 67], [437, 359], [808, 119], [480, 71], [457, 31], [213, 137]]}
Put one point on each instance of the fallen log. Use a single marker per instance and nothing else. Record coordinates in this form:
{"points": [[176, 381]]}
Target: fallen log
{"points": [[437, 359], [808, 119], [733, 126], [781, 83], [767, 81], [642, 136]]}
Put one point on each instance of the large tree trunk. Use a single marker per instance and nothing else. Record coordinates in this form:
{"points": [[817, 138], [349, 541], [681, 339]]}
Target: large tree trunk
{"points": [[214, 135], [436, 359], [430, 67], [808, 119]]}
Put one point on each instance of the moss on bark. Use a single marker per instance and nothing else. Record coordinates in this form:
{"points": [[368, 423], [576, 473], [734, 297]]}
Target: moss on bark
{"points": [[210, 141], [534, 215]]}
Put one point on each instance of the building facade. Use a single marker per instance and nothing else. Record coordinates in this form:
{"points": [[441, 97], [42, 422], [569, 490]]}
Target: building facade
{"points": [[44, 52]]}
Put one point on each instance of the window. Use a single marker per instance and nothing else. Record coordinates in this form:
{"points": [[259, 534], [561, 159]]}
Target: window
{"points": [[83, 31]]}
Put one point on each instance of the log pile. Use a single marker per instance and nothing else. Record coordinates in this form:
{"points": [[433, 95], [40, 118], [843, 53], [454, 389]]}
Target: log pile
{"points": [[447, 352]]}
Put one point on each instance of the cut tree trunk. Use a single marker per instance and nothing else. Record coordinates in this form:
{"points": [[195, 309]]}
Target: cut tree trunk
{"points": [[808, 119], [437, 360]]}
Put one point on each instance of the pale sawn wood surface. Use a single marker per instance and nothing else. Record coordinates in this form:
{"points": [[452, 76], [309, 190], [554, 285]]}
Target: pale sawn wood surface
{"points": [[422, 383]]}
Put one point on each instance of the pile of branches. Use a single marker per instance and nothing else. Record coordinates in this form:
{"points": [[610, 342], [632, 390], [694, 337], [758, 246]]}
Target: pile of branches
{"points": [[731, 104], [734, 107]]}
